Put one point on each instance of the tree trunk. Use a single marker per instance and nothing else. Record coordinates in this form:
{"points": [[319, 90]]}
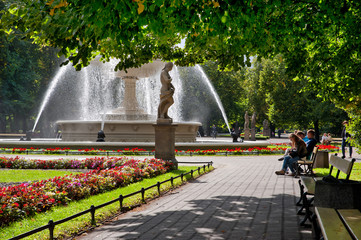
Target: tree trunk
{"points": [[2, 123], [11, 123], [317, 131], [24, 123]]}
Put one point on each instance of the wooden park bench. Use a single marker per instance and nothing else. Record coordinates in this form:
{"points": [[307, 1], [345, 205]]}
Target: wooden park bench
{"points": [[338, 223], [308, 184], [12, 135], [305, 164]]}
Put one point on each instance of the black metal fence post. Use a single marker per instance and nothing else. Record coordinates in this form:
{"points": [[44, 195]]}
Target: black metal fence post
{"points": [[182, 175], [121, 202], [51, 229], [191, 173], [199, 170], [204, 168], [92, 212], [143, 194], [171, 181], [158, 186]]}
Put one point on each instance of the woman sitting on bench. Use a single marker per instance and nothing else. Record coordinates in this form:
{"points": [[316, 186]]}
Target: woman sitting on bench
{"points": [[298, 151]]}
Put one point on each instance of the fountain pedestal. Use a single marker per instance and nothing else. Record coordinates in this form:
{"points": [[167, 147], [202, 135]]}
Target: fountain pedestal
{"points": [[129, 109], [165, 140]]}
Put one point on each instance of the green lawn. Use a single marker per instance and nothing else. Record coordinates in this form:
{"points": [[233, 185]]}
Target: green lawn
{"points": [[83, 222], [20, 175], [355, 174]]}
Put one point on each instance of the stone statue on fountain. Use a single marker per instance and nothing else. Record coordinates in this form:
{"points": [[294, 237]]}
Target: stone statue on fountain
{"points": [[253, 127], [166, 92], [266, 128], [165, 128], [246, 126]]}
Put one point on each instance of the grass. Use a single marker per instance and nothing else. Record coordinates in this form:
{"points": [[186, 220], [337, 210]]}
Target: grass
{"points": [[83, 222], [355, 174], [19, 175]]}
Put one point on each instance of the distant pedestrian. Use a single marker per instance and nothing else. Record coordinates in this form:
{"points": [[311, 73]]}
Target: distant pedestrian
{"points": [[101, 136], [329, 138], [279, 132], [345, 140], [239, 134], [214, 131], [324, 139], [234, 135]]}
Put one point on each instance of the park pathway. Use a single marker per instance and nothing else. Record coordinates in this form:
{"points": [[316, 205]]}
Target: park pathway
{"points": [[241, 199]]}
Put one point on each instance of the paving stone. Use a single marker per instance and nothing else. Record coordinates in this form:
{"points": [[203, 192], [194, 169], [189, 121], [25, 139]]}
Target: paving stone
{"points": [[241, 199]]}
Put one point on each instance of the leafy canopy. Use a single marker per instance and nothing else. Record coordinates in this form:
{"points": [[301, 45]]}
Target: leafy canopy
{"points": [[319, 39], [138, 31]]}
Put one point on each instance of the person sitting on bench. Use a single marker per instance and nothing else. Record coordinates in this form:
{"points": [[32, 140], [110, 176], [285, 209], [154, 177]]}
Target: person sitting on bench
{"points": [[298, 151], [311, 143], [301, 135]]}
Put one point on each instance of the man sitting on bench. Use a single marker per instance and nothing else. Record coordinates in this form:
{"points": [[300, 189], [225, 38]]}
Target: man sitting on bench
{"points": [[311, 143]]}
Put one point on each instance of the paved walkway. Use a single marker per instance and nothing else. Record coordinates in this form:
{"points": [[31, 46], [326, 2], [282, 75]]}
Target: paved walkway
{"points": [[241, 199]]}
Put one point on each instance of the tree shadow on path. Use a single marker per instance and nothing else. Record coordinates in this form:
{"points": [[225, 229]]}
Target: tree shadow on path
{"points": [[221, 217]]}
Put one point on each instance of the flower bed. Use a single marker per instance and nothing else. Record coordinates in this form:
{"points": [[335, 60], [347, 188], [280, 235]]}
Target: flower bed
{"points": [[271, 149], [89, 163], [329, 148], [86, 151], [17, 202]]}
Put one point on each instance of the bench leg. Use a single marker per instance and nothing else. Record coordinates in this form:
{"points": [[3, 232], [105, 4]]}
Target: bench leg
{"points": [[301, 193], [307, 203], [303, 204], [316, 227], [297, 169], [310, 169]]}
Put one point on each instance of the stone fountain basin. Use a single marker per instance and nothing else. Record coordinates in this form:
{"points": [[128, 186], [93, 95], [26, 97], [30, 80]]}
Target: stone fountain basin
{"points": [[122, 131]]}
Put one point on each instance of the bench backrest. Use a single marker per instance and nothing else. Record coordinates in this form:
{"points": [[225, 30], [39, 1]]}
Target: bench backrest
{"points": [[313, 154], [341, 164]]}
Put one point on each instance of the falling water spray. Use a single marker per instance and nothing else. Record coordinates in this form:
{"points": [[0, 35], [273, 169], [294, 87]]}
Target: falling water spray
{"points": [[214, 93], [49, 92]]}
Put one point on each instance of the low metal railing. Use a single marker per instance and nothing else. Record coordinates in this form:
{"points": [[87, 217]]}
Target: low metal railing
{"points": [[51, 224]]}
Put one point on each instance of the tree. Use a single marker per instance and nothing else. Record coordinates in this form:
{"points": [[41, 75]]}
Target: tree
{"points": [[25, 70], [25, 73], [287, 103], [229, 88], [256, 94]]}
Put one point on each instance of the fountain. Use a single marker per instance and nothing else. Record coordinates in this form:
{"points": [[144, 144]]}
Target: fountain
{"points": [[129, 122]]}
